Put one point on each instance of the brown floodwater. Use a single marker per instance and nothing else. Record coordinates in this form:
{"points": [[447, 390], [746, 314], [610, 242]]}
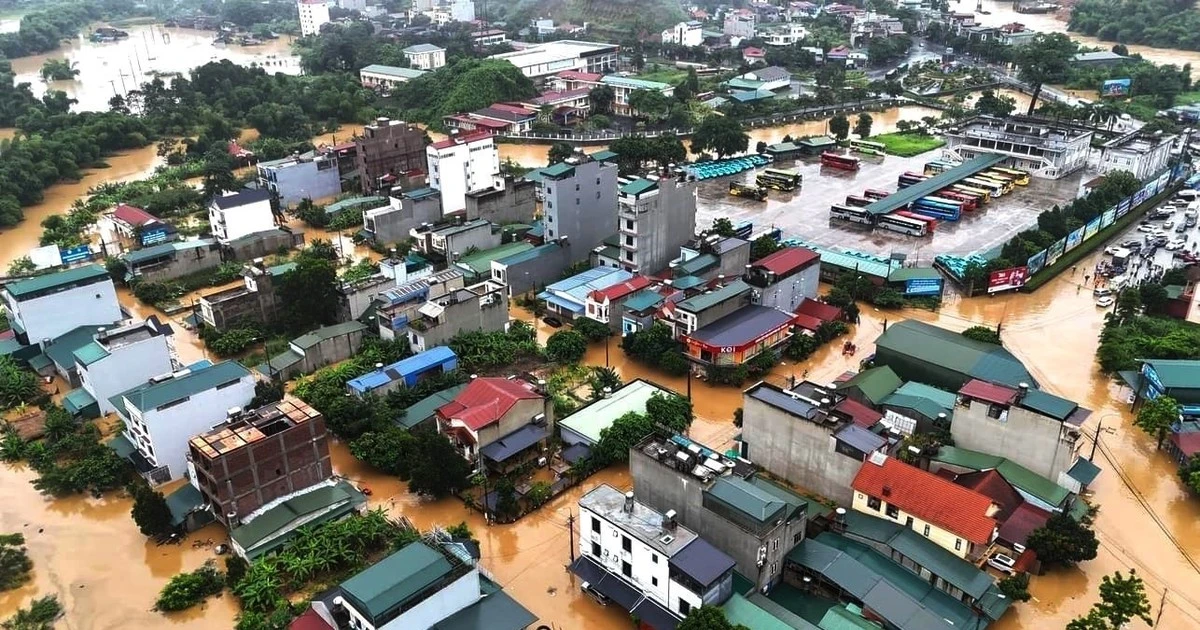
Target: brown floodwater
{"points": [[110, 68]]}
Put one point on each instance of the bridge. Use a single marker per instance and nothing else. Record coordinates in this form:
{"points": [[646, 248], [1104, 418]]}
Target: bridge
{"points": [[905, 196]]}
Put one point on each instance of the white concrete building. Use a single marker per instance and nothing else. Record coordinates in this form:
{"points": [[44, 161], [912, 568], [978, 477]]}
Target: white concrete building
{"points": [[690, 33], [1143, 154], [550, 58], [121, 358], [782, 34], [460, 164], [424, 56], [381, 77], [645, 561], [162, 414], [462, 11], [1044, 149], [234, 215], [313, 14], [44, 307]]}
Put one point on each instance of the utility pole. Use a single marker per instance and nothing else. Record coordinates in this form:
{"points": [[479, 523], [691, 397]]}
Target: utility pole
{"points": [[1161, 603], [1096, 439], [571, 532]]}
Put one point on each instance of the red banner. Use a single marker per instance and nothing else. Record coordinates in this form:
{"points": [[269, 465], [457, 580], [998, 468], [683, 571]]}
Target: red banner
{"points": [[1005, 279]]}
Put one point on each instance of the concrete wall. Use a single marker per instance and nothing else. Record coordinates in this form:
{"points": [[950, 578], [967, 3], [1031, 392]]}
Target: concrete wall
{"points": [[537, 272], [296, 181], [461, 317], [393, 223], [263, 244], [733, 262], [1027, 438], [520, 415], [514, 202], [388, 147], [240, 220], [331, 350], [798, 450], [182, 263], [586, 216], [48, 316], [354, 298], [663, 222], [445, 602], [788, 293], [481, 237], [457, 169], [124, 368]]}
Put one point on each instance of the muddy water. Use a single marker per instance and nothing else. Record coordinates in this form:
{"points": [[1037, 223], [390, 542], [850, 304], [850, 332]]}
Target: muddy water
{"points": [[112, 68]]}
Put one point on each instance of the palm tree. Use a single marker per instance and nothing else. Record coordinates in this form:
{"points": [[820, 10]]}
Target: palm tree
{"points": [[603, 377]]}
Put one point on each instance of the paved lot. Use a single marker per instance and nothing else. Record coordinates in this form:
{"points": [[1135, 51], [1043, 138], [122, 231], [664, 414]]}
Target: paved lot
{"points": [[1141, 268], [805, 213]]}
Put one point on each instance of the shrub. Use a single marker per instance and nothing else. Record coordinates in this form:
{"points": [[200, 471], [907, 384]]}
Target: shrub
{"points": [[188, 589], [591, 329], [566, 346]]}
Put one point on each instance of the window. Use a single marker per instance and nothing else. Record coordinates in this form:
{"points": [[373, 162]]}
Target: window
{"points": [[654, 558], [626, 569], [775, 544], [893, 511], [994, 411], [909, 522], [627, 544], [873, 503], [684, 608], [596, 549], [797, 537], [653, 581], [958, 544], [596, 525]]}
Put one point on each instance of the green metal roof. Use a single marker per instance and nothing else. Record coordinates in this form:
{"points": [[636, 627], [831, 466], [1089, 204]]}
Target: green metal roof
{"points": [[604, 156], [1174, 291], [393, 71], [354, 202], [949, 351], [1048, 404], [530, 254], [310, 339], [279, 270], [905, 196], [817, 141], [644, 299], [153, 395], [62, 348], [149, 253], [965, 458], [121, 446], [636, 84], [1177, 373], [875, 383], [182, 502], [703, 301], [687, 282], [271, 529], [426, 407], [558, 170], [47, 282], [397, 578], [1020, 477], [90, 353], [696, 265], [638, 186], [9, 346], [840, 618], [480, 263], [929, 401], [913, 273], [1084, 471], [739, 610], [495, 611], [279, 362], [78, 401], [40, 362], [597, 416], [744, 84]]}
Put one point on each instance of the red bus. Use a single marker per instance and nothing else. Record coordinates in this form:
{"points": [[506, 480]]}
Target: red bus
{"points": [[875, 193], [968, 203], [854, 201], [930, 222], [912, 174], [843, 162]]}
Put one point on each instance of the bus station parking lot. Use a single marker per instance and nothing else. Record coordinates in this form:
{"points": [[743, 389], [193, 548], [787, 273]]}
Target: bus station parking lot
{"points": [[804, 214]]}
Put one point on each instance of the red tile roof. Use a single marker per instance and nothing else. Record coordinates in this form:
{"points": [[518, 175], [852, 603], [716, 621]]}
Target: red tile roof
{"points": [[989, 392], [576, 75], [486, 400], [132, 215], [807, 322], [751, 51], [787, 260], [620, 290], [310, 620], [928, 497], [992, 485], [1187, 443], [1023, 520], [463, 138], [819, 310], [861, 414]]}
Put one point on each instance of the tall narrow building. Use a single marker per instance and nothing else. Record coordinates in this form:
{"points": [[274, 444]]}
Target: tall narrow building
{"points": [[656, 217], [580, 202]]}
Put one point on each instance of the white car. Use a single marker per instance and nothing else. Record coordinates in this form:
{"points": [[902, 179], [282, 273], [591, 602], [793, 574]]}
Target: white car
{"points": [[1176, 244], [1103, 302], [1002, 563], [1168, 225], [1146, 228], [1111, 249]]}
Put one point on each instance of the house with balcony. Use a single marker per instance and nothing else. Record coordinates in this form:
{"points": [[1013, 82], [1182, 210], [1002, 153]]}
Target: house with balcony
{"points": [[136, 225], [705, 308], [482, 306], [404, 212], [568, 298], [425, 56], [624, 87], [453, 238], [604, 305], [397, 306], [645, 562], [784, 279], [498, 422], [1044, 149]]}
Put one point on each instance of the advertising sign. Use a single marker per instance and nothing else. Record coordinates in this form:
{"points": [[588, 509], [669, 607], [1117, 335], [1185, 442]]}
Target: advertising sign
{"points": [[1091, 229], [1056, 251], [1005, 279], [76, 254], [1108, 217], [1140, 196], [1162, 182], [923, 286], [1036, 262], [1074, 239], [1116, 87], [1153, 385], [45, 256], [1123, 208]]}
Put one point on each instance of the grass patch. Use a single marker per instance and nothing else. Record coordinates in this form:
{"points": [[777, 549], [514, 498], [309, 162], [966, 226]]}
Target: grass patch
{"points": [[908, 144], [1142, 107], [662, 74]]}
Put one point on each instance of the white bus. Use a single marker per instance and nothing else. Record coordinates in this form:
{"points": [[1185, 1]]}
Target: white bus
{"points": [[851, 214], [903, 225]]}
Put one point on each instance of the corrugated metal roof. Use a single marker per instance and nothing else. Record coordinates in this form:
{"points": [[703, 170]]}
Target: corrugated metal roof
{"points": [[643, 300], [1020, 477], [153, 395], [1048, 404], [638, 186], [149, 253], [702, 562], [37, 284], [926, 399], [397, 578], [90, 353], [1177, 373], [698, 303], [394, 71], [78, 400], [323, 333], [876, 383], [914, 273], [481, 262], [286, 517], [400, 370], [739, 610], [183, 501], [927, 496], [62, 348], [927, 187], [514, 442], [495, 611], [742, 326], [951, 351], [427, 407], [589, 421]]}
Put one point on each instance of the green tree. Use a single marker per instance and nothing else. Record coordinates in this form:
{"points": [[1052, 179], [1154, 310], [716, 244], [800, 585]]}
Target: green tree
{"points": [[1129, 303], [39, 616], [591, 329], [602, 377], [600, 100], [1122, 599], [862, 125], [17, 384], [649, 104], [839, 126], [566, 346], [1189, 472], [1016, 587], [708, 618], [982, 333], [764, 246], [722, 135], [722, 226], [1063, 541], [1154, 298], [15, 566], [618, 438], [390, 449], [670, 410], [150, 510], [991, 105], [308, 293], [59, 70], [438, 469], [560, 151], [1156, 417], [1044, 59], [188, 589]]}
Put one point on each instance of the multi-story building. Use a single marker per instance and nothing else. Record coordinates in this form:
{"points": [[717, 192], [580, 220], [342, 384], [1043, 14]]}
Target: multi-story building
{"points": [[1035, 429], [783, 280], [488, 37], [461, 163], [425, 56], [1143, 154], [959, 519], [655, 217], [313, 15], [690, 33], [580, 202], [710, 257], [739, 24], [550, 58], [525, 271], [497, 420], [782, 34], [162, 414], [645, 561], [754, 520], [44, 307], [258, 456], [794, 435], [386, 78], [395, 307], [1042, 147], [389, 149], [235, 215], [405, 211], [624, 87], [254, 301], [506, 200], [482, 306], [568, 297], [701, 310], [119, 358], [450, 239], [604, 305], [298, 177]]}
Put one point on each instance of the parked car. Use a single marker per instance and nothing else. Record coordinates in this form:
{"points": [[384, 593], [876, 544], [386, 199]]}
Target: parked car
{"points": [[1111, 249], [1102, 292], [1190, 222], [1181, 228], [552, 321], [1176, 244], [1133, 246], [1146, 227], [1161, 240], [1168, 225], [1002, 563], [1103, 302]]}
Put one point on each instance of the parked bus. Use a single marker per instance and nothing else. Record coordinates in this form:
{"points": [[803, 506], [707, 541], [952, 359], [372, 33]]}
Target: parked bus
{"points": [[779, 179], [853, 215], [875, 193], [908, 179], [757, 193], [1003, 180], [744, 229], [1020, 177], [984, 196], [857, 202], [930, 222], [936, 210], [867, 147], [843, 162], [944, 201], [937, 166], [993, 188], [968, 203], [903, 225]]}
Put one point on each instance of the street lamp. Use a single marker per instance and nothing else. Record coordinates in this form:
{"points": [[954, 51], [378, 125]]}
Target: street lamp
{"points": [[1100, 429]]}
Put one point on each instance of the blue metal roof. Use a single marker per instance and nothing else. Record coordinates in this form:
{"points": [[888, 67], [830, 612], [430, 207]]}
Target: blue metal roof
{"points": [[905, 196], [416, 364], [572, 292]]}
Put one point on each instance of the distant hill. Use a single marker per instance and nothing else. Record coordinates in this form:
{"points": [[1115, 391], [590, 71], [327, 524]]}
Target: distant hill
{"points": [[626, 18]]}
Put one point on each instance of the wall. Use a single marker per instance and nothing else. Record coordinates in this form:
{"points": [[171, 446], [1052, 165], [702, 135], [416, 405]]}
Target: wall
{"points": [[479, 236], [798, 450], [663, 222], [332, 350], [388, 147], [454, 597], [514, 203], [460, 317], [529, 274], [264, 243], [299, 180], [393, 223], [945, 539], [181, 263], [354, 298], [650, 570], [586, 216], [521, 414], [786, 294], [48, 316], [125, 368], [170, 429], [241, 220], [1027, 438], [460, 168]]}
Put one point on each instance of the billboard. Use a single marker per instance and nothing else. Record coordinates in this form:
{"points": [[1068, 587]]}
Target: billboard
{"points": [[923, 286], [1036, 262], [76, 254], [1141, 195], [1091, 229], [1005, 279], [1153, 385], [1123, 208], [1074, 239], [1056, 251], [1163, 181], [1108, 217], [1116, 87]]}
